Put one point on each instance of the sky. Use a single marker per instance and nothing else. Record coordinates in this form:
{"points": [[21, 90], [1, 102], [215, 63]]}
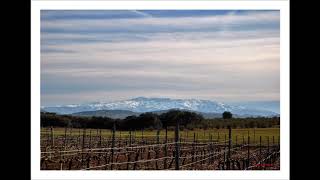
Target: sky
{"points": [[220, 55]]}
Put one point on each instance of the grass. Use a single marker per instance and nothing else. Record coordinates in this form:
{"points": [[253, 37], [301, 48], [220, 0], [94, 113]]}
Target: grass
{"points": [[238, 135]]}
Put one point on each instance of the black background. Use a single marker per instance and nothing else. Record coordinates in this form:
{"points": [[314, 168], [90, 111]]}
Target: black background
{"points": [[16, 90]]}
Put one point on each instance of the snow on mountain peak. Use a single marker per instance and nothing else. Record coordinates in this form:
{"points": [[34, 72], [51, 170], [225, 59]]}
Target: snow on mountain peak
{"points": [[144, 104]]}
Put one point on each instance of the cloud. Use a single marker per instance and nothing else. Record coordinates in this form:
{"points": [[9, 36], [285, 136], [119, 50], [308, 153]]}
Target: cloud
{"points": [[257, 20], [230, 56], [141, 13]]}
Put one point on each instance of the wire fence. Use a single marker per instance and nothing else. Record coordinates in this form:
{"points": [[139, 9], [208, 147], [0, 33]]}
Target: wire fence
{"points": [[84, 152]]}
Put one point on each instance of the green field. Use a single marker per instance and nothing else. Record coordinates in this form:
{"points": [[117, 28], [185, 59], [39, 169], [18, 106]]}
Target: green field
{"points": [[238, 135]]}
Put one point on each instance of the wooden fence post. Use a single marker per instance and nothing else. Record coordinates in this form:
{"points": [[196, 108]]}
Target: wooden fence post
{"points": [[142, 136], [83, 138], [48, 137], [166, 149], [197, 139], [229, 149], [242, 140], [119, 144], [248, 162], [83, 145], [260, 148], [158, 148], [70, 134], [52, 137], [130, 138], [65, 140], [90, 139], [79, 137], [113, 143], [177, 145], [158, 136], [100, 143], [268, 151], [193, 146], [211, 149]]}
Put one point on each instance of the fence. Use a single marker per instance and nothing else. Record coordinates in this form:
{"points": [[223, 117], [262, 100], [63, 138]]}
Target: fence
{"points": [[91, 151]]}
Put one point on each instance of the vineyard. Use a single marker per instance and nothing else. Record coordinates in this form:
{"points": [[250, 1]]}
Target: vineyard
{"points": [[101, 149]]}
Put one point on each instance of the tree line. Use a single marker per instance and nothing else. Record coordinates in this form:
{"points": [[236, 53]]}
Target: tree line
{"points": [[148, 120]]}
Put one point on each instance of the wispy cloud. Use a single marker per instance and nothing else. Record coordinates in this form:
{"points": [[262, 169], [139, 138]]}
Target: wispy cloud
{"points": [[141, 13], [259, 20], [229, 55]]}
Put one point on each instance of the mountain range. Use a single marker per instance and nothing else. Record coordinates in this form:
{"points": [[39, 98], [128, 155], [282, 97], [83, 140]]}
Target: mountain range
{"points": [[140, 105], [122, 114]]}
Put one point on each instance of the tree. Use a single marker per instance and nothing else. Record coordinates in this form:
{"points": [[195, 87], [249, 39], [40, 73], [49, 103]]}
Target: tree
{"points": [[184, 117], [149, 120], [226, 115]]}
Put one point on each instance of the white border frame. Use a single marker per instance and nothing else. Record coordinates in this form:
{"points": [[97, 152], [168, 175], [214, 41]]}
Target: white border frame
{"points": [[36, 6]]}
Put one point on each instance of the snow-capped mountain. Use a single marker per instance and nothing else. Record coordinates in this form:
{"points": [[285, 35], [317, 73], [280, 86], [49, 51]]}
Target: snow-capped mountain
{"points": [[143, 104]]}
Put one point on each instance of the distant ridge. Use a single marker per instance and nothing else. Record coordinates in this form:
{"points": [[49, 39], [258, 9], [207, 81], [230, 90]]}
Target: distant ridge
{"points": [[115, 114], [143, 104]]}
